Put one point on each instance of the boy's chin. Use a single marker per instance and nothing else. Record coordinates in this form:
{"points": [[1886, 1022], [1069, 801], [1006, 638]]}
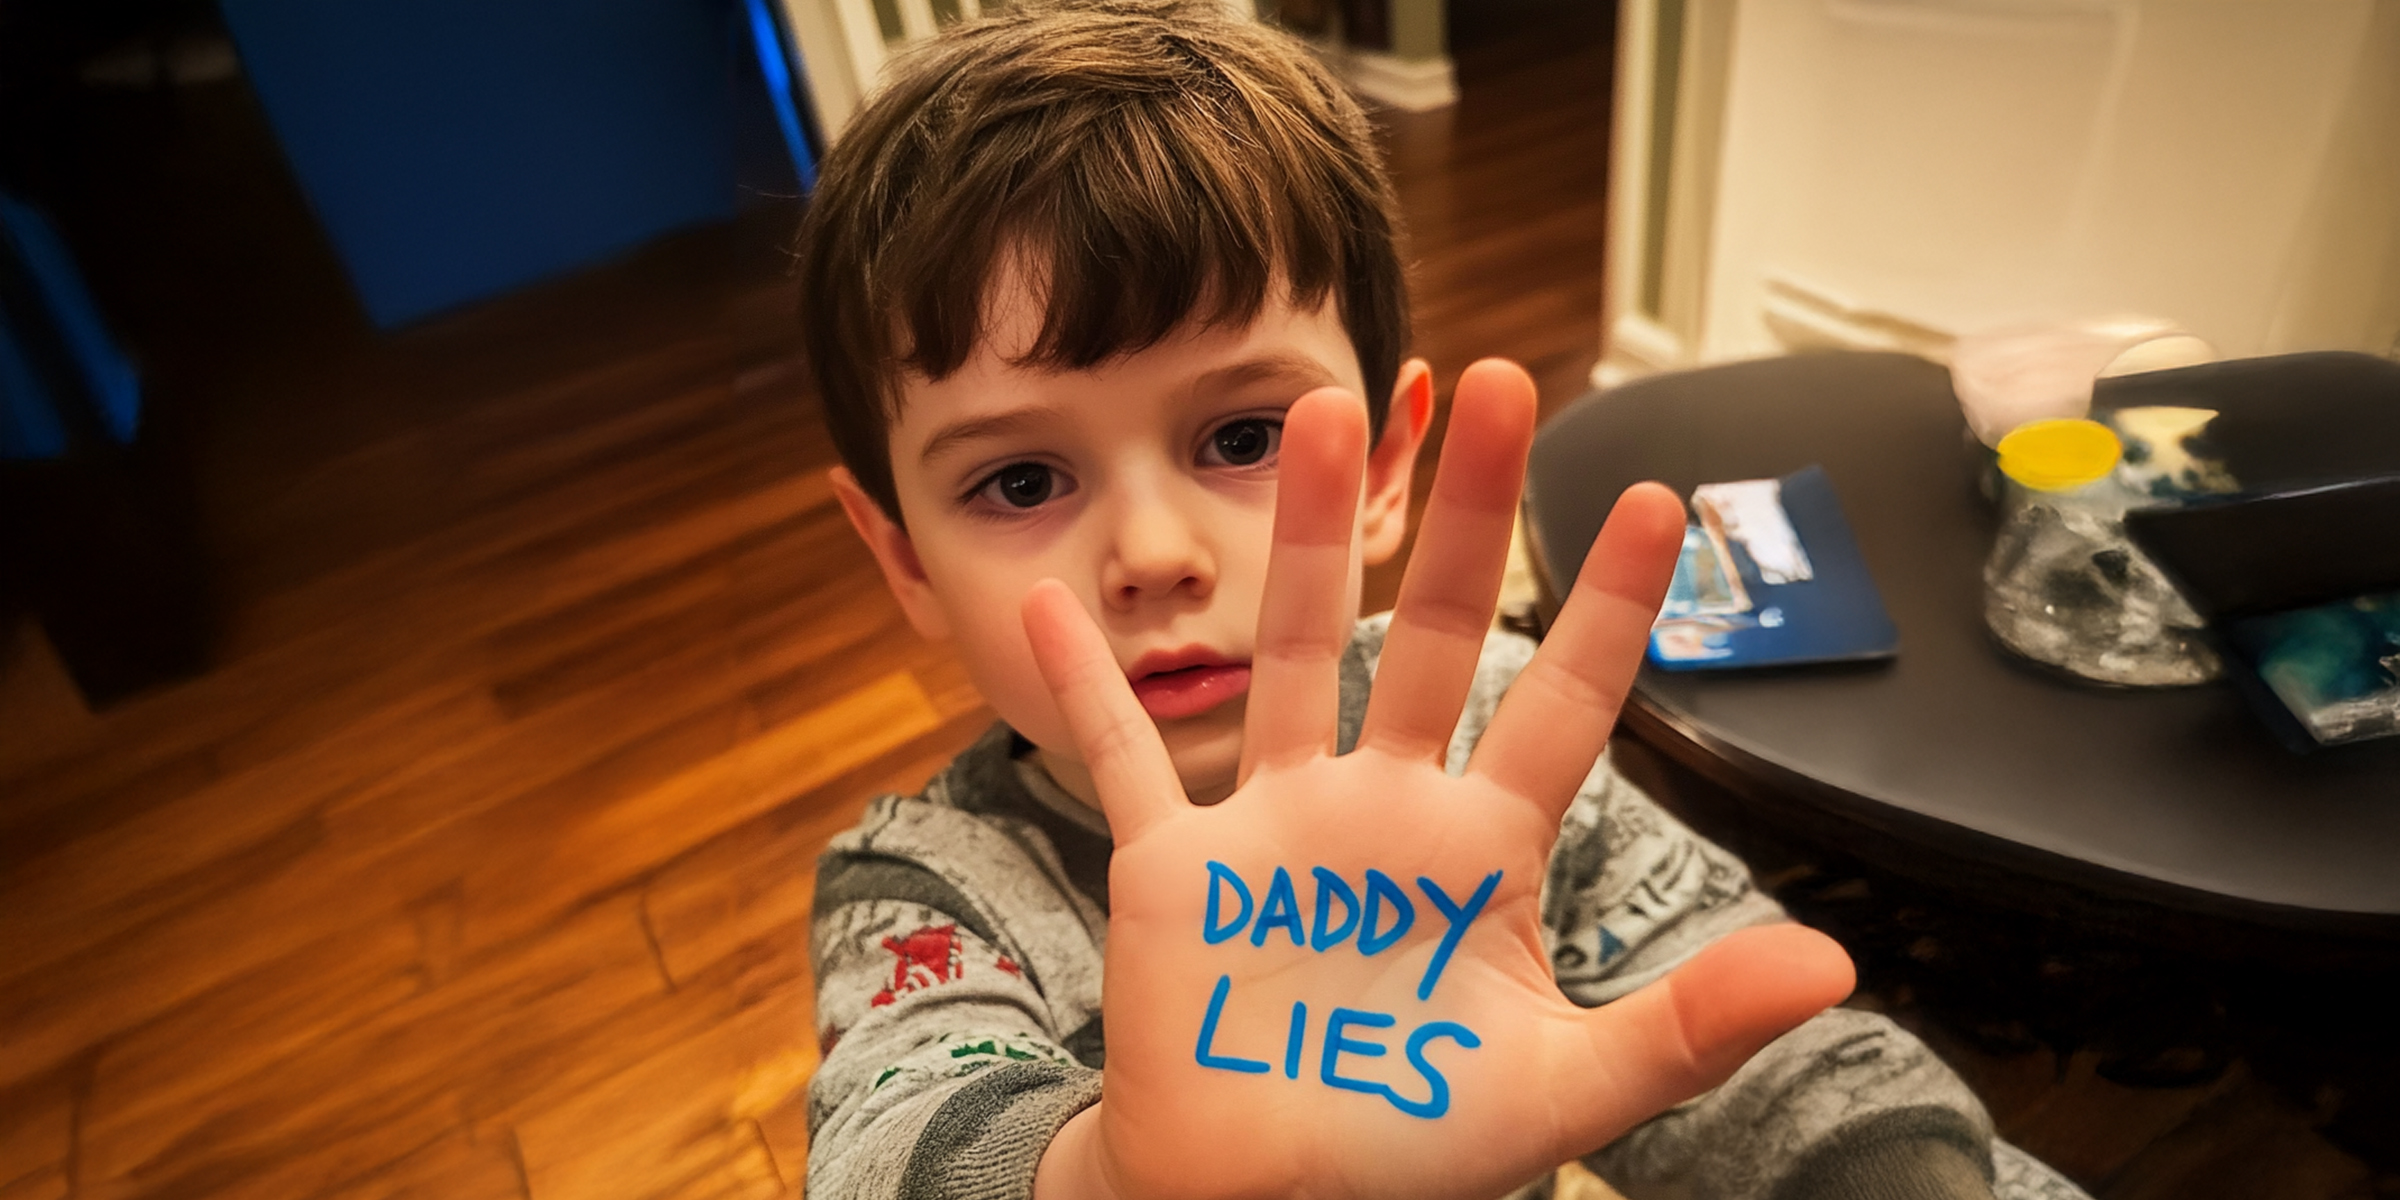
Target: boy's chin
{"points": [[1207, 750]]}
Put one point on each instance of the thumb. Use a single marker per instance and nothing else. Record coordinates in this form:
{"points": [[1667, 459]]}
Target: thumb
{"points": [[1688, 1032]]}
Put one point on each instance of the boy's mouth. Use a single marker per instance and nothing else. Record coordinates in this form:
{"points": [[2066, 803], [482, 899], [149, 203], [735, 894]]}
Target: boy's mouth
{"points": [[1186, 683]]}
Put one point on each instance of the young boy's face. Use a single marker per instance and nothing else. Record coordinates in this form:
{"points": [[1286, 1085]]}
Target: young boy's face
{"points": [[1146, 485]]}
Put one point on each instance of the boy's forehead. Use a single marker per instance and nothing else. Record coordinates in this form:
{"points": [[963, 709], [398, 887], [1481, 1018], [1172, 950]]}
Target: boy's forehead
{"points": [[1015, 306], [1281, 349]]}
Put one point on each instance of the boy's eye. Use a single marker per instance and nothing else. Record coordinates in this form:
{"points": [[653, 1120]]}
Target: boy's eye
{"points": [[1021, 485], [1247, 442]]}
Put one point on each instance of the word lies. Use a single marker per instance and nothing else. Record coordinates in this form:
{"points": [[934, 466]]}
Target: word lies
{"points": [[1338, 1042]]}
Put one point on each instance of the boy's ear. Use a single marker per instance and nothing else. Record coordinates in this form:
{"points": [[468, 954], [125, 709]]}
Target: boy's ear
{"points": [[1391, 465], [894, 553]]}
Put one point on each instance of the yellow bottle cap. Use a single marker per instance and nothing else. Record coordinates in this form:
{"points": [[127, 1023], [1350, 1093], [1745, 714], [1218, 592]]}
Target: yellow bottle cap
{"points": [[2059, 455]]}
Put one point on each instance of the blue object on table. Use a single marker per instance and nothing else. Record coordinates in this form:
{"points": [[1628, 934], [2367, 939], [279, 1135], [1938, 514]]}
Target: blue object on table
{"points": [[55, 322], [1836, 615], [455, 149]]}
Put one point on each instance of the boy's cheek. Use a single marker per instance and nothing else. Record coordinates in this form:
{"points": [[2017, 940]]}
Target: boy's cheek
{"points": [[1206, 749], [991, 639]]}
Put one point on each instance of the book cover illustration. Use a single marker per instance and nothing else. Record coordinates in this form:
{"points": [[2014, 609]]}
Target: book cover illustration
{"points": [[1770, 575], [2336, 667]]}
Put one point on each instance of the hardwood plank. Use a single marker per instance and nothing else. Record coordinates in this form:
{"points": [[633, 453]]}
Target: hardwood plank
{"points": [[405, 834], [198, 1052], [454, 1167], [2249, 1144], [476, 457], [2053, 1117], [732, 915], [47, 1185], [37, 1137], [547, 747], [47, 819], [386, 1087], [79, 998], [645, 1025], [784, 1130], [891, 645], [674, 1125], [784, 569], [624, 839], [40, 707], [458, 581], [176, 853], [755, 882]]}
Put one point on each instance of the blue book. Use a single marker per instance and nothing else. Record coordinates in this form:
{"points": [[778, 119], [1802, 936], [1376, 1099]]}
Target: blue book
{"points": [[1770, 575]]}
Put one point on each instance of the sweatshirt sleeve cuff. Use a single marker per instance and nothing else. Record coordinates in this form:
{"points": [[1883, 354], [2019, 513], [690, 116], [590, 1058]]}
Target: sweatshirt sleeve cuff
{"points": [[987, 1139], [1904, 1154]]}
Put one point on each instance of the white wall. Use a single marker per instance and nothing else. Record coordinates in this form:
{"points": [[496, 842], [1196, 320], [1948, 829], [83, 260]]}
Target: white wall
{"points": [[1893, 172]]}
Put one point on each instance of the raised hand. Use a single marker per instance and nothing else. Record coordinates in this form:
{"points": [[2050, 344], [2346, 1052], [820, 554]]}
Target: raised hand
{"points": [[1333, 983]]}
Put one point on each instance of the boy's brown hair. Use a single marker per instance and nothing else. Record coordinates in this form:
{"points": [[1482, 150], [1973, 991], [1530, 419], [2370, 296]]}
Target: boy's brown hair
{"points": [[1143, 161]]}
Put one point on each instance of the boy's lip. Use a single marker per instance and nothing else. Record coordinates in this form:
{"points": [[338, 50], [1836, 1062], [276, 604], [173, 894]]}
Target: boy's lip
{"points": [[1173, 684]]}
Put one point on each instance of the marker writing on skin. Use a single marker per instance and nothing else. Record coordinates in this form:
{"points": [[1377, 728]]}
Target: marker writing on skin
{"points": [[1374, 917]]}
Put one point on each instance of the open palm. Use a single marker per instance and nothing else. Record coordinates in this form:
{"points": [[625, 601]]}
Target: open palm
{"points": [[1333, 983]]}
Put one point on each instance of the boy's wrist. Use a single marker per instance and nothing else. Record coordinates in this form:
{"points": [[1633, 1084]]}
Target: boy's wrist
{"points": [[1071, 1168]]}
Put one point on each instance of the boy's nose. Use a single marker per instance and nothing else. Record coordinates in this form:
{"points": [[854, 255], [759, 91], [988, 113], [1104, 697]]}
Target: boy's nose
{"points": [[1157, 552]]}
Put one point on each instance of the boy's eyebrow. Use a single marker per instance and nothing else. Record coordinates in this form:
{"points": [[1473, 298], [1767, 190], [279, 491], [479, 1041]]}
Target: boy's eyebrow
{"points": [[976, 428], [1282, 365], [1288, 366]]}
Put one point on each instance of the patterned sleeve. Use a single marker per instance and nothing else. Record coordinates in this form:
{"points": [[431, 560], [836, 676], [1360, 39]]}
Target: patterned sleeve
{"points": [[1631, 894], [943, 1075], [1848, 1104]]}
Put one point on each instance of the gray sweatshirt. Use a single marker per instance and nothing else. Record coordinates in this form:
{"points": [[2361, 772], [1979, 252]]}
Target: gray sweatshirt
{"points": [[957, 942]]}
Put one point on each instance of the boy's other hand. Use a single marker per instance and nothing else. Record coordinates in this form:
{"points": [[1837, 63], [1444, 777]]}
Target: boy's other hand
{"points": [[1276, 1027]]}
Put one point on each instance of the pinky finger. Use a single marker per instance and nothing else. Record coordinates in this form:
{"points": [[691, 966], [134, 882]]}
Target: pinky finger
{"points": [[1119, 744]]}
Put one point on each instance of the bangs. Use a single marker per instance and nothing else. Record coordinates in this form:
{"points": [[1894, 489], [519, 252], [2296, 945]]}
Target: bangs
{"points": [[1128, 232], [1139, 165]]}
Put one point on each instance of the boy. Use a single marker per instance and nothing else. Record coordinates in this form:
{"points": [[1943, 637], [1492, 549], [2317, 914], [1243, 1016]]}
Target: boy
{"points": [[1063, 281]]}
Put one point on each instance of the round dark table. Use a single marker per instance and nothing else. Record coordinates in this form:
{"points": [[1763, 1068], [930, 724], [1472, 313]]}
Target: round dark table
{"points": [[1956, 754]]}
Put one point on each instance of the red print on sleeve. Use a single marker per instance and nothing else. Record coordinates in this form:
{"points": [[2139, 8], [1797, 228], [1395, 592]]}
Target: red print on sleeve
{"points": [[926, 957]]}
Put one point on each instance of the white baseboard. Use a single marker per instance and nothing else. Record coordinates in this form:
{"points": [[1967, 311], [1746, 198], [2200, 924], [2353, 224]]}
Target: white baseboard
{"points": [[1637, 346], [1804, 316], [1798, 316], [1408, 84]]}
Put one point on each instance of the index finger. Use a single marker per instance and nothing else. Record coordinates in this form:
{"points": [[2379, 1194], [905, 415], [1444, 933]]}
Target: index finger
{"points": [[1120, 745]]}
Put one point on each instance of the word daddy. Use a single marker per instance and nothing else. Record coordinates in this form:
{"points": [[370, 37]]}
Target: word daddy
{"points": [[1373, 919]]}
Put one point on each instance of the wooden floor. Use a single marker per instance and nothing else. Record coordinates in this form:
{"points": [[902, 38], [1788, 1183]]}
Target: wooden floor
{"points": [[479, 865]]}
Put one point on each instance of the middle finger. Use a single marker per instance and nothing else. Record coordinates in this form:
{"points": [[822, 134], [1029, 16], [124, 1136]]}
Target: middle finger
{"points": [[1304, 615]]}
